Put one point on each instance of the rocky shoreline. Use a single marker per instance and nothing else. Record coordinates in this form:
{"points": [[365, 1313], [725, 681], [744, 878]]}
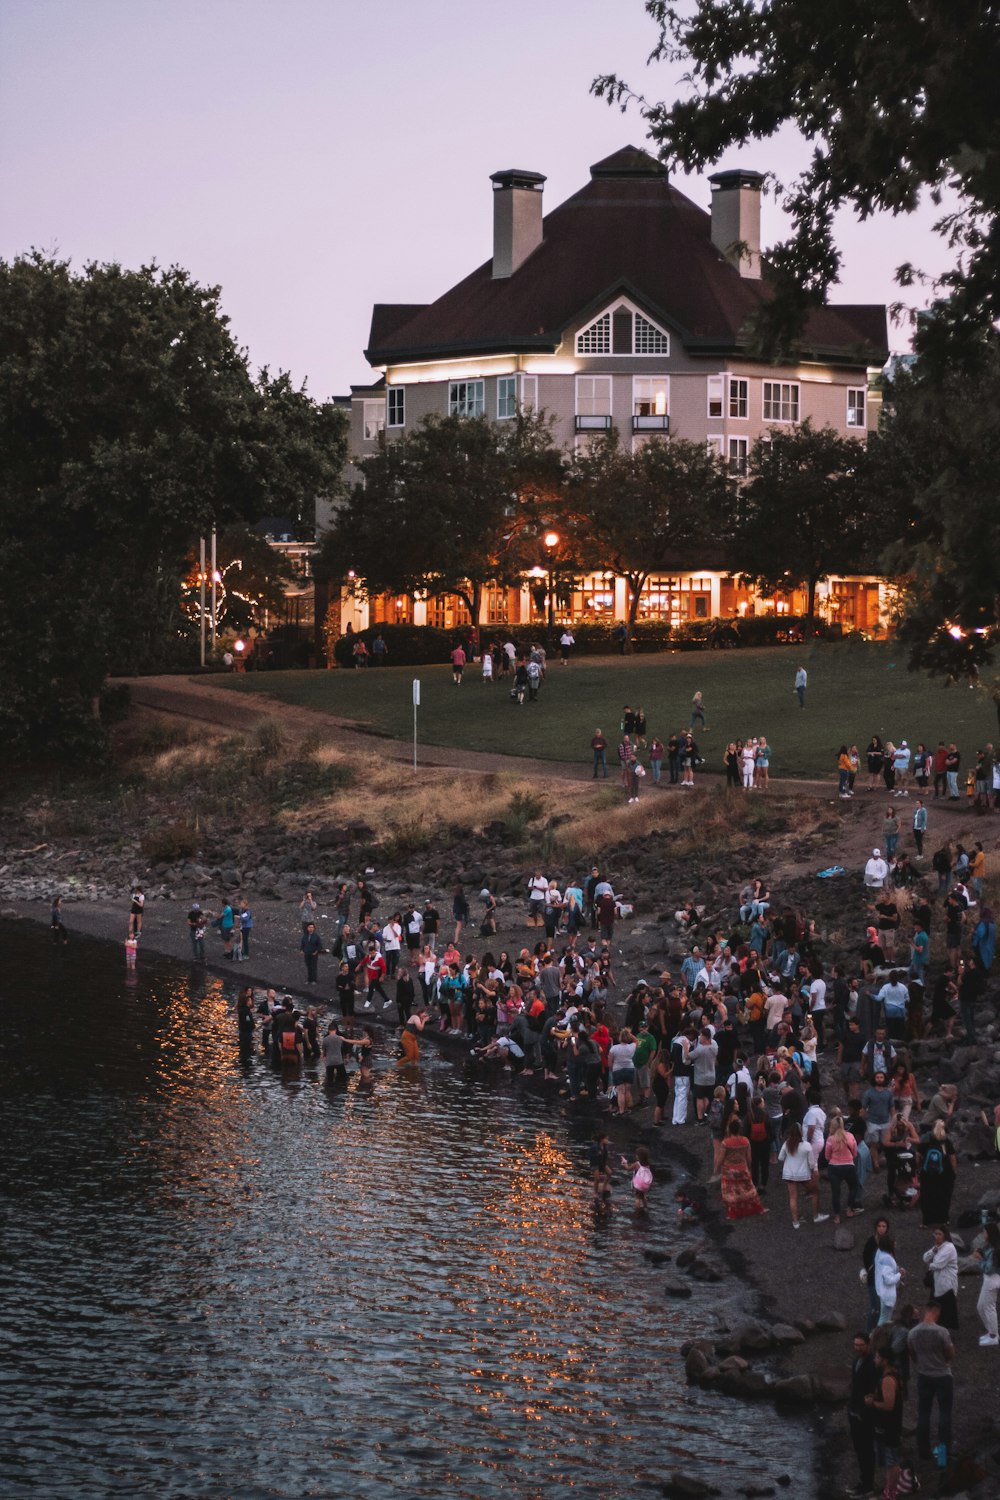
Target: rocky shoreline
{"points": [[787, 1308], [790, 1301]]}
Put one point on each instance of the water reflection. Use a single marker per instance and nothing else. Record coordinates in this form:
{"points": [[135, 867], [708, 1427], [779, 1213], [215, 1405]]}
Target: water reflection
{"points": [[222, 1280]]}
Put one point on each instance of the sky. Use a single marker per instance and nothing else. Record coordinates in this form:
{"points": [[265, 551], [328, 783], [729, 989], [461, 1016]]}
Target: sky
{"points": [[312, 157]]}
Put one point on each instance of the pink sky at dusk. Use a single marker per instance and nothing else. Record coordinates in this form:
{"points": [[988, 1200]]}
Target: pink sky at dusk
{"points": [[313, 156]]}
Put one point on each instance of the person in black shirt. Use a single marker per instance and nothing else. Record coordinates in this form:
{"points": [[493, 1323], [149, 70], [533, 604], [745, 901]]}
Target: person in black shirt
{"points": [[432, 921], [864, 1382]]}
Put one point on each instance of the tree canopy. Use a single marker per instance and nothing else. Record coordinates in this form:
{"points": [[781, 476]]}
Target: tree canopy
{"points": [[897, 99], [934, 467], [665, 506], [803, 512], [129, 423], [444, 509]]}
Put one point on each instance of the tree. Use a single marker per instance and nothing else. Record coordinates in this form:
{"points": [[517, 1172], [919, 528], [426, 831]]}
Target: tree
{"points": [[898, 99], [802, 513], [252, 580], [934, 468], [447, 508], [667, 505], [129, 424]]}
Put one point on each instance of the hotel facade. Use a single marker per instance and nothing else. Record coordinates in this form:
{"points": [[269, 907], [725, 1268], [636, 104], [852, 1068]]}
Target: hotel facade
{"points": [[626, 307]]}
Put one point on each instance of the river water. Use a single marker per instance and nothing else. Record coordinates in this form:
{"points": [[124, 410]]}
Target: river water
{"points": [[220, 1280]]}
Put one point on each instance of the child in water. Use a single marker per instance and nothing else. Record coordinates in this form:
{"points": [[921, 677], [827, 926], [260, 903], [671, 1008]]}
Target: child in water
{"points": [[642, 1176], [131, 950], [600, 1163]]}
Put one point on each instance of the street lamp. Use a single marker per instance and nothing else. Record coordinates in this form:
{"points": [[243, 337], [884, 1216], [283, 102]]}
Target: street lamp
{"points": [[551, 540]]}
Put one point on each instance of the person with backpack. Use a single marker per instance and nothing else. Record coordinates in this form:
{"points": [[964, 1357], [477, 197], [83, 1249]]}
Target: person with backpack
{"points": [[938, 1169]]}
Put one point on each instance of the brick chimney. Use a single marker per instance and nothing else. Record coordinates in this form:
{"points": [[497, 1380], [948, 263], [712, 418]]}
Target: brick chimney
{"points": [[517, 219], [736, 219]]}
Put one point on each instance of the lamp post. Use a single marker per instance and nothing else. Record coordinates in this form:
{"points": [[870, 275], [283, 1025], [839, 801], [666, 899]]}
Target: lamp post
{"points": [[551, 540]]}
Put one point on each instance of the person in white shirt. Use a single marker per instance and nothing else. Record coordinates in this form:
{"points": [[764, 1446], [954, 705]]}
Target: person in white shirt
{"points": [[537, 890], [392, 937], [876, 871], [817, 1007], [566, 643]]}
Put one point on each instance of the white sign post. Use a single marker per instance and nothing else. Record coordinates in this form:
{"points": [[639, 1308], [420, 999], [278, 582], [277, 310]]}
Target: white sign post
{"points": [[416, 705]]}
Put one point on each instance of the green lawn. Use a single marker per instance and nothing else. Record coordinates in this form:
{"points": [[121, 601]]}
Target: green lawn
{"points": [[855, 690]]}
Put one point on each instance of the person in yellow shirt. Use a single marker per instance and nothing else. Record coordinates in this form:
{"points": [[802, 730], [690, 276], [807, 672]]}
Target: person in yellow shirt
{"points": [[977, 871]]}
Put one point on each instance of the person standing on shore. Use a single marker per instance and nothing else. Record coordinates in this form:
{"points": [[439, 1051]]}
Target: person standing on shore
{"points": [[931, 1355], [135, 912], [886, 1406], [599, 745], [919, 825], [246, 927], [59, 934], [312, 947], [860, 1417], [196, 930]]}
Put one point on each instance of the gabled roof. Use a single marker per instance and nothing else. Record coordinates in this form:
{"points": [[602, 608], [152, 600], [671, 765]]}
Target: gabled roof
{"points": [[627, 231]]}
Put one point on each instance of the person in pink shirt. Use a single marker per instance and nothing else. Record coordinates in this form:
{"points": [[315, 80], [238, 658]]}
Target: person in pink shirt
{"points": [[841, 1152], [458, 660]]}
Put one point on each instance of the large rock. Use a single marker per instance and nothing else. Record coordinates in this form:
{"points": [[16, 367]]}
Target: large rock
{"points": [[830, 1322], [674, 1287], [799, 1389], [683, 1487], [784, 1333], [754, 1337], [697, 1364]]}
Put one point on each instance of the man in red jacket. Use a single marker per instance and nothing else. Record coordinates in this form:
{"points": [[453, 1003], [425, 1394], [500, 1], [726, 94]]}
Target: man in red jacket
{"points": [[375, 973]]}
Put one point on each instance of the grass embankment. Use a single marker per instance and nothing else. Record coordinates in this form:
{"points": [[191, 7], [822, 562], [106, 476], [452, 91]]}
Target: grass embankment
{"points": [[855, 690], [184, 793]]}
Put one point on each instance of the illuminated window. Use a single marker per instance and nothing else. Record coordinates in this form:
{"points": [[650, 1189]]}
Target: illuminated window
{"points": [[374, 420], [739, 398], [715, 395]]}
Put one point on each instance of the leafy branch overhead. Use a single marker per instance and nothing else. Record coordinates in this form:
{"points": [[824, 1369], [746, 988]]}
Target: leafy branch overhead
{"points": [[898, 101]]}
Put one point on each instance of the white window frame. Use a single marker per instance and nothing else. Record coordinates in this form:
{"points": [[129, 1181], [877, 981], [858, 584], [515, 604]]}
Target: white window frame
{"points": [[739, 396], [857, 407], [596, 339], [788, 399], [395, 408], [715, 443], [601, 393], [466, 398], [373, 417], [716, 396], [506, 397], [651, 333], [650, 381], [738, 456], [529, 392]]}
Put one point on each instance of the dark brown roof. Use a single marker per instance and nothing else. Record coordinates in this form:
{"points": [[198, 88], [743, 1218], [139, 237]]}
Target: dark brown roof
{"points": [[628, 231], [389, 317]]}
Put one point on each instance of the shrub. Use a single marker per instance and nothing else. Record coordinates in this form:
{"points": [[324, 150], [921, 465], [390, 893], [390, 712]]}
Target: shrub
{"points": [[269, 739]]}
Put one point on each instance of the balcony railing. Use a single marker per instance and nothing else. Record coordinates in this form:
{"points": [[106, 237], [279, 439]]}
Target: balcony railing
{"points": [[593, 424], [654, 423]]}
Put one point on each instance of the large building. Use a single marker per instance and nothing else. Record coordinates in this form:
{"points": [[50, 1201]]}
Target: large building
{"points": [[626, 306]]}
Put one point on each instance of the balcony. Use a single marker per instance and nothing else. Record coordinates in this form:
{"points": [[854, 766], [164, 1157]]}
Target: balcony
{"points": [[593, 424], [654, 423]]}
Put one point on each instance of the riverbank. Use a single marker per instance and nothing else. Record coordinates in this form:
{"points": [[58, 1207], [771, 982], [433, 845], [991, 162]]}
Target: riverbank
{"points": [[768, 1277]]}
